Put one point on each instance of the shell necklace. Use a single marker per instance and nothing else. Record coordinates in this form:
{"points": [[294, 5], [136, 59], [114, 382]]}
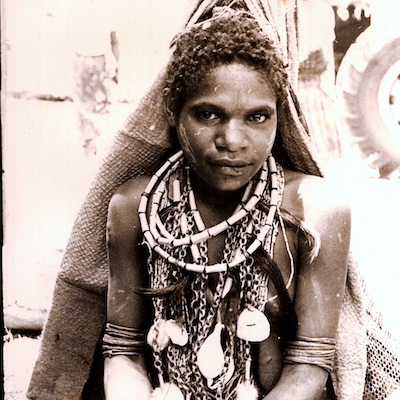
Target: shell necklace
{"points": [[156, 234]]}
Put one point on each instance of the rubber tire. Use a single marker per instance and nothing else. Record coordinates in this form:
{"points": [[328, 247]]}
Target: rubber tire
{"points": [[359, 79]]}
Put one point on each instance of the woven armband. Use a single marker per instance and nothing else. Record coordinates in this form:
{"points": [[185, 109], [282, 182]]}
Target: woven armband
{"points": [[120, 340], [315, 351]]}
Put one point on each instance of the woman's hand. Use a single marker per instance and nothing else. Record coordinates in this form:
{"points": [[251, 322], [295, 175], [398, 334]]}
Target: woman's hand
{"points": [[126, 379], [300, 382]]}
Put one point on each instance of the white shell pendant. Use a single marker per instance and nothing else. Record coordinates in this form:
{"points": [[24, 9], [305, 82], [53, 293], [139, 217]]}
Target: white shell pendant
{"points": [[214, 383], [210, 357], [157, 337], [176, 332], [167, 391], [162, 332], [252, 325]]}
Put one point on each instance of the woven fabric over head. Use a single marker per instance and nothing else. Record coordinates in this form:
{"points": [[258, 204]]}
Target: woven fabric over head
{"points": [[139, 148]]}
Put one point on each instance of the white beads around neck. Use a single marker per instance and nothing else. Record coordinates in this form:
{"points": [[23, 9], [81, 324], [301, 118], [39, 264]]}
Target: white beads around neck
{"points": [[156, 235]]}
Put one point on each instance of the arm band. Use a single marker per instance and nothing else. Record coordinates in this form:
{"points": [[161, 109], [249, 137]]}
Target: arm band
{"points": [[315, 351], [120, 340]]}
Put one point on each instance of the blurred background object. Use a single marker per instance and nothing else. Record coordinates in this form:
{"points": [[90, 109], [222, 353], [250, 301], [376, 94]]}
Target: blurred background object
{"points": [[95, 65], [368, 87], [316, 88]]}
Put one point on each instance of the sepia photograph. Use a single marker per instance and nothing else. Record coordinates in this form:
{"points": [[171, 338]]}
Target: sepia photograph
{"points": [[200, 199]]}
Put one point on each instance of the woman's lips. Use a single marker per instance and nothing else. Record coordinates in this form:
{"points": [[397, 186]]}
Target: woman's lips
{"points": [[230, 163], [229, 167]]}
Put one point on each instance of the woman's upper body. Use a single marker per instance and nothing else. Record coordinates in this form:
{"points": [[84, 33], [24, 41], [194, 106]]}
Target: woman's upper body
{"points": [[227, 120], [317, 291]]}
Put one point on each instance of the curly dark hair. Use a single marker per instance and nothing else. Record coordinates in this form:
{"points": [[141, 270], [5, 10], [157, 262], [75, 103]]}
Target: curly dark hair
{"points": [[230, 37]]}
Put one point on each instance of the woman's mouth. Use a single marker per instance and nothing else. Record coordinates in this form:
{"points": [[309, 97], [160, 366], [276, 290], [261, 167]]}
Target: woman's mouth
{"points": [[229, 167]]}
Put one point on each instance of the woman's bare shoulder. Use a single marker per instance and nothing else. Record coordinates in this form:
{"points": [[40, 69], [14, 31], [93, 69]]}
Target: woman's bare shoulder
{"points": [[129, 193], [124, 204], [313, 198]]}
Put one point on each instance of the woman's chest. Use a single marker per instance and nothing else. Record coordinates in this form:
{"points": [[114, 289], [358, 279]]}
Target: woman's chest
{"points": [[270, 273]]}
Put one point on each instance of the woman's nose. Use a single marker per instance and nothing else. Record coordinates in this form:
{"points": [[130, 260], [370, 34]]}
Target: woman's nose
{"points": [[232, 136]]}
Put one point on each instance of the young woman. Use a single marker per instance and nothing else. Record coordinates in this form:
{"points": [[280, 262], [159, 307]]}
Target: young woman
{"points": [[237, 289]]}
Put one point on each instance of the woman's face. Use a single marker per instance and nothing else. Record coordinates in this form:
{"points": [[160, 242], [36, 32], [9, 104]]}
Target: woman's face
{"points": [[227, 129]]}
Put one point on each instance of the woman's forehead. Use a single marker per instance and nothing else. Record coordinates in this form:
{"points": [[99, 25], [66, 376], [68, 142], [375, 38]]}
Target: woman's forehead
{"points": [[236, 80]]}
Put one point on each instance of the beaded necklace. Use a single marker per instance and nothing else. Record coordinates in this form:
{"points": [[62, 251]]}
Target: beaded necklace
{"points": [[153, 229], [192, 325]]}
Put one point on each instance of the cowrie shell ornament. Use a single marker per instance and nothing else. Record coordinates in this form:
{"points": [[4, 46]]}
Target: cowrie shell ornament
{"points": [[157, 337], [176, 332], [210, 357], [253, 325], [162, 332], [214, 383]]}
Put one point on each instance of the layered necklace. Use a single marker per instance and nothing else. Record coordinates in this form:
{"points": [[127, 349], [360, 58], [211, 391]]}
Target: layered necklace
{"points": [[206, 316]]}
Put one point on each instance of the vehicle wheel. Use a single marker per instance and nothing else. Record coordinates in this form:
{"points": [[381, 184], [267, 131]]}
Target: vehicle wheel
{"points": [[368, 89]]}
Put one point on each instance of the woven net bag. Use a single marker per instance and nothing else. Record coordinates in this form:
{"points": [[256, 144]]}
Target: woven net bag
{"points": [[383, 357]]}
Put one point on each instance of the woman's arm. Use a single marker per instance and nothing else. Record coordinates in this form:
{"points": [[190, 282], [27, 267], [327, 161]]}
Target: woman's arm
{"points": [[319, 298], [125, 376]]}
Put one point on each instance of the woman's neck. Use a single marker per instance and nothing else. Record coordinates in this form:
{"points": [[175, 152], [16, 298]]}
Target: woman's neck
{"points": [[214, 205]]}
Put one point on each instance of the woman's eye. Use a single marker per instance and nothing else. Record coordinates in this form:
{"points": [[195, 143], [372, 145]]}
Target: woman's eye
{"points": [[207, 115], [259, 118]]}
